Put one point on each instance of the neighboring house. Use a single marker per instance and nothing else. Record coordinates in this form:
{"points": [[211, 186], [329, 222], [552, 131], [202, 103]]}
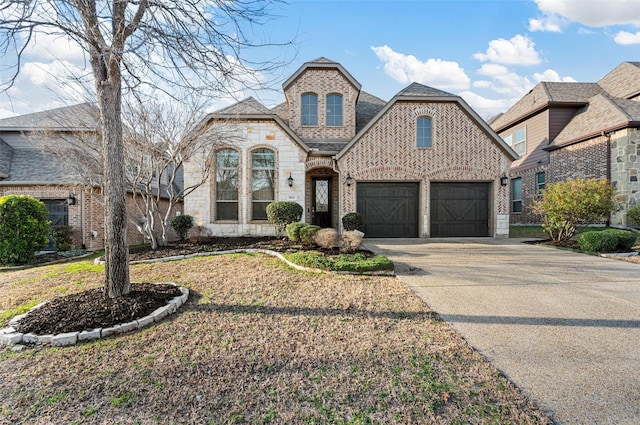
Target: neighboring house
{"points": [[571, 130], [39, 158], [423, 164]]}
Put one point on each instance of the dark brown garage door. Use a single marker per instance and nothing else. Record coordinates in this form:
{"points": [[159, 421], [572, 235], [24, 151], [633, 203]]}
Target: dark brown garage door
{"points": [[390, 210], [459, 209]]}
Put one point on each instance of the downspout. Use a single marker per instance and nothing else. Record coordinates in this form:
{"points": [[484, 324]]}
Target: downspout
{"points": [[83, 225]]}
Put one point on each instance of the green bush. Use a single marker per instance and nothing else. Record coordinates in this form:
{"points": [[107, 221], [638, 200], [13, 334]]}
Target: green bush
{"points": [[626, 239], [282, 213], [597, 241], [24, 226], [567, 204], [63, 237], [353, 221], [356, 263], [633, 214], [293, 230], [308, 233], [182, 224]]}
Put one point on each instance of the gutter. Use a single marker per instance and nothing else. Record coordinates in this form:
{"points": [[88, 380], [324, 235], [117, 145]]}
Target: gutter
{"points": [[603, 132]]}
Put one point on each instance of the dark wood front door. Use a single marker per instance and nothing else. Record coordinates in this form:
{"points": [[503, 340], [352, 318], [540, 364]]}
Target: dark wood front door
{"points": [[58, 216], [459, 209], [321, 202]]}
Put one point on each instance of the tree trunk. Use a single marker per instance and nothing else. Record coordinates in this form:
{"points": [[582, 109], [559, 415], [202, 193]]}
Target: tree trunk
{"points": [[115, 207]]}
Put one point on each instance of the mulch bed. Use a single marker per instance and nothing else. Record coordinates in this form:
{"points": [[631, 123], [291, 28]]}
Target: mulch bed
{"points": [[92, 309]]}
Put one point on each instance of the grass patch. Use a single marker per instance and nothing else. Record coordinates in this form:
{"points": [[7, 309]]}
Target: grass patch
{"points": [[355, 263], [527, 232], [8, 314]]}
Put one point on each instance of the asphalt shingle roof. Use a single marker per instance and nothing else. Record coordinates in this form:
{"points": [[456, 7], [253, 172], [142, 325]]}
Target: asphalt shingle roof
{"points": [[84, 116], [623, 81]]}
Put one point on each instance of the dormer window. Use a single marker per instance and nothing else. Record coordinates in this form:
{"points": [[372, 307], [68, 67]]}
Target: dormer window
{"points": [[334, 110], [309, 109]]}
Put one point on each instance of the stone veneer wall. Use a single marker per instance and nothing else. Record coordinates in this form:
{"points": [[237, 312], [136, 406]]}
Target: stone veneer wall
{"points": [[323, 82], [290, 158], [625, 172], [460, 151]]}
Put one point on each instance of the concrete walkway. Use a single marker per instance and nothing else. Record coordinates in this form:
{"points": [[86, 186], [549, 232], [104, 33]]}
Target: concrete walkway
{"points": [[564, 327]]}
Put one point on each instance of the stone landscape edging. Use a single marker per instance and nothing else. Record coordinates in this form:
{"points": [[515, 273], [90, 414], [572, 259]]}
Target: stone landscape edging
{"points": [[253, 251], [10, 336]]}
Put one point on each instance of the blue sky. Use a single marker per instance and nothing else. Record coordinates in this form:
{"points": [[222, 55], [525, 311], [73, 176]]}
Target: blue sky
{"points": [[489, 52]]}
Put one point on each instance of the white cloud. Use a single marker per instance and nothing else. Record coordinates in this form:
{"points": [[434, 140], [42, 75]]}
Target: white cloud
{"points": [[55, 47], [482, 84], [519, 50], [548, 23], [552, 76], [486, 108], [505, 81], [594, 13], [624, 38], [439, 73]]}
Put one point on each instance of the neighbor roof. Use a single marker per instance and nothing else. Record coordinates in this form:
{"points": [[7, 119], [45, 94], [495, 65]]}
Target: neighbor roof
{"points": [[84, 116]]}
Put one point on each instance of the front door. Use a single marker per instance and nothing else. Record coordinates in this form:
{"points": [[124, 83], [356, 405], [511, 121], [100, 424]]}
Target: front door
{"points": [[321, 202], [58, 216]]}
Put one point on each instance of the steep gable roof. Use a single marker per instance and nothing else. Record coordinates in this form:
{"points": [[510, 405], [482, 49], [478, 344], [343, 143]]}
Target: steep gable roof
{"points": [[419, 92], [367, 107], [543, 95], [623, 81], [602, 113], [322, 63], [84, 116], [246, 106], [6, 153]]}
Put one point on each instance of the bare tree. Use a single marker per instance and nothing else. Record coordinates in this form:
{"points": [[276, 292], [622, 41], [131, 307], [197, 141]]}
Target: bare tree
{"points": [[132, 44]]}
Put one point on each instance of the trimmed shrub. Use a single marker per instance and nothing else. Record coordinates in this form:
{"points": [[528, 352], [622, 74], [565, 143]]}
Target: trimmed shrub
{"points": [[200, 234], [351, 240], [328, 238], [63, 237], [282, 213], [626, 239], [293, 231], [24, 226], [353, 221], [308, 234], [633, 214], [182, 224], [597, 241]]}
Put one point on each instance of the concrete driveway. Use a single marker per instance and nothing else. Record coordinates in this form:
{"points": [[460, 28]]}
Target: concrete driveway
{"points": [[564, 327]]}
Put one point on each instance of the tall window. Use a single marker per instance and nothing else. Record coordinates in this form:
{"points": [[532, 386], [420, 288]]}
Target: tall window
{"points": [[517, 141], [263, 164], [516, 195], [309, 109], [424, 132], [334, 110], [226, 185], [541, 181]]}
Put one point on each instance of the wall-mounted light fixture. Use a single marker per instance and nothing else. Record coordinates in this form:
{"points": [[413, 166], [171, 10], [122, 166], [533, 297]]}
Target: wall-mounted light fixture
{"points": [[71, 200], [504, 180], [290, 180], [349, 179]]}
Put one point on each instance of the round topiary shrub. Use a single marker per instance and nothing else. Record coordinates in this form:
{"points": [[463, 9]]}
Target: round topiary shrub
{"points": [[293, 231], [308, 234], [24, 226], [626, 239], [353, 221], [282, 213], [182, 224], [328, 238], [633, 214], [597, 241]]}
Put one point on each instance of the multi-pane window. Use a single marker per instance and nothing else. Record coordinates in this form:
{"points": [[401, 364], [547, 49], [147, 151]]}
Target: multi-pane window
{"points": [[517, 141], [334, 110], [226, 185], [541, 181], [309, 109], [424, 132], [516, 195], [263, 164]]}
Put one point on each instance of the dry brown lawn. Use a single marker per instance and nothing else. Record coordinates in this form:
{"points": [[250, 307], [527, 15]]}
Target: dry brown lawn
{"points": [[256, 343]]}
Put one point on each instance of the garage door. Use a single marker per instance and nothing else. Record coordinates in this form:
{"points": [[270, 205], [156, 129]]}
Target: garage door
{"points": [[390, 210], [459, 209]]}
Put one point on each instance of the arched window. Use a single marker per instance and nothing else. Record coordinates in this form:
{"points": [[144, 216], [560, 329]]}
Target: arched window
{"points": [[226, 185], [334, 110], [263, 165], [424, 132], [309, 109]]}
